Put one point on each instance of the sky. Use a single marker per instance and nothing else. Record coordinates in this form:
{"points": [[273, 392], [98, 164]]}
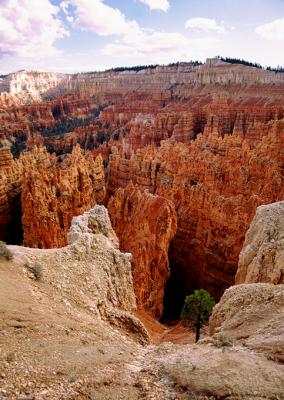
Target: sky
{"points": [[88, 35]]}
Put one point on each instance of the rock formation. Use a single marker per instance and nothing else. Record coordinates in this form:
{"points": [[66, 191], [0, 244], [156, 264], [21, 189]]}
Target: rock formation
{"points": [[216, 185], [262, 256], [53, 194], [252, 314], [206, 137], [11, 181], [145, 225], [77, 313]]}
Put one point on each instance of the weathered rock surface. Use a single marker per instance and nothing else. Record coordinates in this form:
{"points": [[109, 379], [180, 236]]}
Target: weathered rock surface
{"points": [[203, 372], [216, 184], [145, 225], [62, 311], [77, 313], [253, 315], [262, 256], [53, 194], [11, 181]]}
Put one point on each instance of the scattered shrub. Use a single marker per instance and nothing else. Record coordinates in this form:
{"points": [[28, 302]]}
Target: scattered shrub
{"points": [[5, 252], [224, 340], [36, 270]]}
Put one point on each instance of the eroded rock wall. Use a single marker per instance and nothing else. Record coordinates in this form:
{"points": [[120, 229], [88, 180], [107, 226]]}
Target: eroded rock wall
{"points": [[53, 194], [216, 185], [145, 224]]}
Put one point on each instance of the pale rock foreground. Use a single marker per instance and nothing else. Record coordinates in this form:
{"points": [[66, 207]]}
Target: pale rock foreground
{"points": [[262, 256], [71, 334]]}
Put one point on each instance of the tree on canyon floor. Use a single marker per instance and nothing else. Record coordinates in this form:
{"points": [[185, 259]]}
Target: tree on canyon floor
{"points": [[197, 310]]}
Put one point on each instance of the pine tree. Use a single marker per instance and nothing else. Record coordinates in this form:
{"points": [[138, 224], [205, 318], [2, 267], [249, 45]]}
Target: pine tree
{"points": [[197, 310]]}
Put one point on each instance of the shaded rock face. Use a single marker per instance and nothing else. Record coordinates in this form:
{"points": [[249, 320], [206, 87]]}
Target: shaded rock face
{"points": [[262, 256], [145, 225], [54, 193], [11, 182], [253, 315]]}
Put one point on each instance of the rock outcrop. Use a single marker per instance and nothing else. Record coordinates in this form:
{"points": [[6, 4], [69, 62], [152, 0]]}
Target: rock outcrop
{"points": [[53, 194], [262, 256], [252, 314], [62, 311], [145, 225]]}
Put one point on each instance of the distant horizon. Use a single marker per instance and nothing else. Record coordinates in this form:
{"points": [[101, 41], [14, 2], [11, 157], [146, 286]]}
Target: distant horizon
{"points": [[145, 66], [96, 35]]}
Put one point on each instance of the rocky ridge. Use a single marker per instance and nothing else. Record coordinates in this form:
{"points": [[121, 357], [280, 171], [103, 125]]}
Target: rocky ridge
{"points": [[38, 85], [53, 194], [37, 188]]}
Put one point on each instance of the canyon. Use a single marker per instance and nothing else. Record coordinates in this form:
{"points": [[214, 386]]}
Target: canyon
{"points": [[181, 155], [64, 310]]}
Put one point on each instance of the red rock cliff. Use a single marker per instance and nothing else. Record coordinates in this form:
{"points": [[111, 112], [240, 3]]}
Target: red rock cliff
{"points": [[53, 194], [145, 225], [215, 184]]}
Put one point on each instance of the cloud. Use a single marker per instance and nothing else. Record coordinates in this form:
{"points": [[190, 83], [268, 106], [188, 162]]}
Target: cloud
{"points": [[162, 5], [29, 28], [132, 40], [272, 31], [204, 25], [98, 17], [161, 47]]}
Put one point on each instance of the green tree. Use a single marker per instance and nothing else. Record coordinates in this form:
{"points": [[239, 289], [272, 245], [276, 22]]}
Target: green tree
{"points": [[197, 310]]}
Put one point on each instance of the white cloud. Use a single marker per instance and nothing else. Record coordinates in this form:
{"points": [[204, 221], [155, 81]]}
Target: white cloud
{"points": [[29, 28], [161, 47], [204, 25], [132, 40], [162, 5], [272, 30], [98, 17]]}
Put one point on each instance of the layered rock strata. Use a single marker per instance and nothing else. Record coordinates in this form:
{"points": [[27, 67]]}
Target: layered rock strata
{"points": [[145, 225]]}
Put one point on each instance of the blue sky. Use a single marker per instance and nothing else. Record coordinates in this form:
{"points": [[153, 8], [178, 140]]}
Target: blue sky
{"points": [[84, 35]]}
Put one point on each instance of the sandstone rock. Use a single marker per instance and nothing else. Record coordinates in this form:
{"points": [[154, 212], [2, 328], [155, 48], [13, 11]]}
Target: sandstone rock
{"points": [[53, 194], [253, 314], [204, 372], [262, 256], [145, 225], [93, 259], [216, 184]]}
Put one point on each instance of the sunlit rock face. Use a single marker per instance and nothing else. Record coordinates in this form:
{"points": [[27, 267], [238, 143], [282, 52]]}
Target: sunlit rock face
{"points": [[262, 255]]}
